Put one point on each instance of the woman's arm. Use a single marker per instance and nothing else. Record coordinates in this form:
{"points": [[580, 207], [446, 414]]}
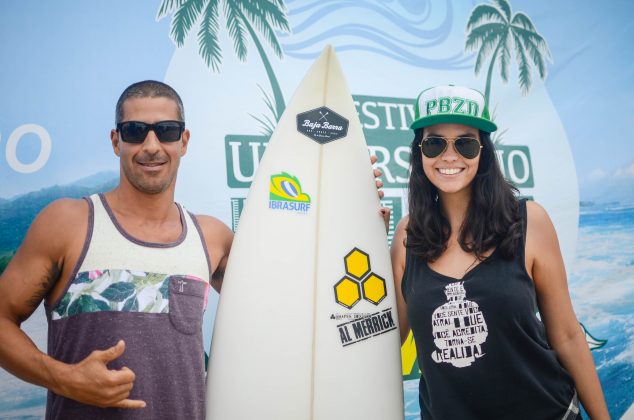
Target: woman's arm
{"points": [[397, 253], [545, 265]]}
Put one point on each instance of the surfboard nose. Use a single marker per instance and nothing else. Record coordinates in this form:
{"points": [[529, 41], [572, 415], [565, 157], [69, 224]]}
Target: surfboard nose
{"points": [[324, 63], [328, 50]]}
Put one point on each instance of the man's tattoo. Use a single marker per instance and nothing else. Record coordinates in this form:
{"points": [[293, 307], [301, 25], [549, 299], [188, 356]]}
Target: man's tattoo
{"points": [[45, 285]]}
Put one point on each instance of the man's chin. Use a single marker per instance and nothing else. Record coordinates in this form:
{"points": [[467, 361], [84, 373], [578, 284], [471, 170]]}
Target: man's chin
{"points": [[151, 188]]}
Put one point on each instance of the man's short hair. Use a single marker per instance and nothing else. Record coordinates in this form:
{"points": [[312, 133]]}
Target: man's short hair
{"points": [[148, 89]]}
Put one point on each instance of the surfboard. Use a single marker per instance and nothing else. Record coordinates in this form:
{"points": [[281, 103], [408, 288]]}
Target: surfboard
{"points": [[306, 326]]}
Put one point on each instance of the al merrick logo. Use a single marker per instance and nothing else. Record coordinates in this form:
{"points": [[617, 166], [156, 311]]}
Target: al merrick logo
{"points": [[286, 194], [359, 283]]}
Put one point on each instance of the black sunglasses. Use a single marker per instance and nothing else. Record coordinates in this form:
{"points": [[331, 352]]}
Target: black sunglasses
{"points": [[433, 146], [137, 131]]}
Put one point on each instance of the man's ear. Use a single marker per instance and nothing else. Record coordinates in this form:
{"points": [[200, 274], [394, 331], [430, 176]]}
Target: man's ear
{"points": [[114, 138], [184, 142]]}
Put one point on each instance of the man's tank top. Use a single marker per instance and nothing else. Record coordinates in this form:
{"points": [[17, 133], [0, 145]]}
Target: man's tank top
{"points": [[481, 347], [152, 296]]}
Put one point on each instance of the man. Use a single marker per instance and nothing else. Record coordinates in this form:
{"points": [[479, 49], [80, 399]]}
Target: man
{"points": [[124, 278]]}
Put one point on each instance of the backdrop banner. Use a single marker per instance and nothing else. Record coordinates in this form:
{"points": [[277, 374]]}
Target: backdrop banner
{"points": [[557, 76]]}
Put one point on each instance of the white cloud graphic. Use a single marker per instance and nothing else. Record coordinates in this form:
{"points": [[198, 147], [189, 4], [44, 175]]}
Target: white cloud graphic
{"points": [[596, 174], [626, 172]]}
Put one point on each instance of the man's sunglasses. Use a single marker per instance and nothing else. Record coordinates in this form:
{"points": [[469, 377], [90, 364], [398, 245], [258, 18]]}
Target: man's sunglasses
{"points": [[137, 131], [433, 146]]}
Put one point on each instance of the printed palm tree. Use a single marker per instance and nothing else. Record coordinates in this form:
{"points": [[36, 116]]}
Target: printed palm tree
{"points": [[242, 17], [495, 28]]}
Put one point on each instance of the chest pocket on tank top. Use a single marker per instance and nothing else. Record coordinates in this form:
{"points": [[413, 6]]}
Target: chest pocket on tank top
{"points": [[187, 301]]}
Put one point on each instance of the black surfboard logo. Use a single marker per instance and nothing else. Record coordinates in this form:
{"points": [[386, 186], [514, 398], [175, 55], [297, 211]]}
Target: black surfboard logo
{"points": [[322, 125]]}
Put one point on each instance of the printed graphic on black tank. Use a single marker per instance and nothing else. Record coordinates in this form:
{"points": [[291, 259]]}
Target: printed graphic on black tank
{"points": [[459, 329]]}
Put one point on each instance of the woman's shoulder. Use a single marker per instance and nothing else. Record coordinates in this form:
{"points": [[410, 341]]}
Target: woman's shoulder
{"points": [[402, 224], [536, 214], [540, 231], [400, 233], [400, 236]]}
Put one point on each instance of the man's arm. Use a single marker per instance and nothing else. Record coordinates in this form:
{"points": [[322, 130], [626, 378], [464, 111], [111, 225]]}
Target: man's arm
{"points": [[218, 239], [31, 276]]}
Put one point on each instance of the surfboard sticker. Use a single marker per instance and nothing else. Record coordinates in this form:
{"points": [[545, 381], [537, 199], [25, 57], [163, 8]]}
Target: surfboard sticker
{"points": [[359, 282], [322, 125], [285, 193], [367, 327]]}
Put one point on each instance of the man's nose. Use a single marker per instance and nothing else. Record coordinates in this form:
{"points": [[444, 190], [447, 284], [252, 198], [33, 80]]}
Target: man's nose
{"points": [[151, 142]]}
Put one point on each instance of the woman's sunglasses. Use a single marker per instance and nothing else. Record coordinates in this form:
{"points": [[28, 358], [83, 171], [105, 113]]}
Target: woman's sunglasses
{"points": [[137, 131], [433, 146]]}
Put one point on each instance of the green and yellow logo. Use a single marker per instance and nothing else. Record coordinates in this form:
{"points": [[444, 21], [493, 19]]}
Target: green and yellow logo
{"points": [[286, 187], [359, 282], [285, 193]]}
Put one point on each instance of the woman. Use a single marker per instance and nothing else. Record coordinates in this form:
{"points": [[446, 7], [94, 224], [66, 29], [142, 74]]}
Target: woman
{"points": [[472, 267]]}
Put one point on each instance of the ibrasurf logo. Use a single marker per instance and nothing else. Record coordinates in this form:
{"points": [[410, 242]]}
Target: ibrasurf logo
{"points": [[286, 194]]}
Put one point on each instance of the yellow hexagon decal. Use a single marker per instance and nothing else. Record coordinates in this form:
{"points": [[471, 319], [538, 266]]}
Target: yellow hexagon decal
{"points": [[347, 292], [374, 289], [357, 263]]}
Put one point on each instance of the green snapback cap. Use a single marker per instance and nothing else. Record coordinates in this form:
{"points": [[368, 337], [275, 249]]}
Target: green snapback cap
{"points": [[451, 104]]}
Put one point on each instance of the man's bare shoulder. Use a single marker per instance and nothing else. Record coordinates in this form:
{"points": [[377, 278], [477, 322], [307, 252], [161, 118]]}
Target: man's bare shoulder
{"points": [[65, 218], [216, 233], [210, 224], [49, 249], [64, 212]]}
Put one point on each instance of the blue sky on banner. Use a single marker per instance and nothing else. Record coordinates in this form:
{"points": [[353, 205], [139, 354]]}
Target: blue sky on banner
{"points": [[64, 64]]}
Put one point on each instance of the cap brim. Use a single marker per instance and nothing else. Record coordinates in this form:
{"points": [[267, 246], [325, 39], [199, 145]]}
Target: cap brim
{"points": [[479, 123]]}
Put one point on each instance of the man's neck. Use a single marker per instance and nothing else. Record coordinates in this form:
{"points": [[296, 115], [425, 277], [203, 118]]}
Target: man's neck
{"points": [[127, 201], [148, 217]]}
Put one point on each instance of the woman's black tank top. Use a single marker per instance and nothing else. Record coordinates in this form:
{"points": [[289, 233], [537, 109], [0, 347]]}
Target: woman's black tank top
{"points": [[482, 349]]}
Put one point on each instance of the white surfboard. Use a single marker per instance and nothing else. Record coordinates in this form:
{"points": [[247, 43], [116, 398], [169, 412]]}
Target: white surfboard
{"points": [[306, 326]]}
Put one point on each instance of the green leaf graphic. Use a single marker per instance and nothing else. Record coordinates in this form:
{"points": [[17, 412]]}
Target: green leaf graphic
{"points": [[131, 305], [82, 278], [165, 288], [85, 304], [118, 292], [63, 305], [148, 308], [150, 279], [101, 305]]}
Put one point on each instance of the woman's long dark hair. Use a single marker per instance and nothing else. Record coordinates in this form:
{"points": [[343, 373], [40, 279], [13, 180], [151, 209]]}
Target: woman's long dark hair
{"points": [[492, 220]]}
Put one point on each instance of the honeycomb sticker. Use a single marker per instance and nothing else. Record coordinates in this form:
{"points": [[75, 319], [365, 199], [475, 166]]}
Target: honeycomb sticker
{"points": [[360, 283]]}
